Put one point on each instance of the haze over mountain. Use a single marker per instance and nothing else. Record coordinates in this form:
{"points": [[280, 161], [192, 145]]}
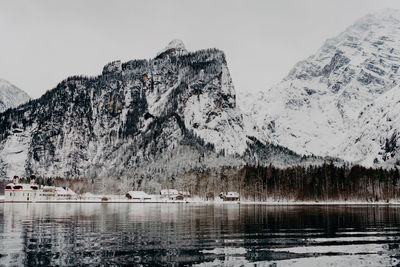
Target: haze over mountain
{"points": [[343, 100], [161, 116]]}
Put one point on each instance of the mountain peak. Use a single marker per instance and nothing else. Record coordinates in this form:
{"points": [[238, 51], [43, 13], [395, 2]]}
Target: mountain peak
{"points": [[11, 96], [4, 83], [176, 46], [386, 12], [325, 98], [386, 16]]}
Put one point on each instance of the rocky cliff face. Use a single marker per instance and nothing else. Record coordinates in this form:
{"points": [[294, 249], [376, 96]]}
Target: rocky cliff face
{"points": [[166, 115], [328, 102], [11, 96]]}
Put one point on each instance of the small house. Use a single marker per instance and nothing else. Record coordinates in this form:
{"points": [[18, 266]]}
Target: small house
{"points": [[169, 192], [230, 196], [138, 195], [172, 194], [185, 194]]}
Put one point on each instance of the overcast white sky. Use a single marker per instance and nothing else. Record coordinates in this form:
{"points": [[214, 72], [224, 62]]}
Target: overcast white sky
{"points": [[43, 42]]}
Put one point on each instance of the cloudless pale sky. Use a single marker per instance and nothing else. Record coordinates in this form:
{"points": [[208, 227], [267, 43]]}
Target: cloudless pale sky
{"points": [[44, 41]]}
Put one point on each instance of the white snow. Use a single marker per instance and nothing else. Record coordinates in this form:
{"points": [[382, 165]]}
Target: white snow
{"points": [[14, 153], [177, 45], [138, 194], [317, 112], [11, 96], [379, 122]]}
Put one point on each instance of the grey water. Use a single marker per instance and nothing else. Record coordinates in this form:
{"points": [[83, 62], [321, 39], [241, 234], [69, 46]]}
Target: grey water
{"points": [[144, 234]]}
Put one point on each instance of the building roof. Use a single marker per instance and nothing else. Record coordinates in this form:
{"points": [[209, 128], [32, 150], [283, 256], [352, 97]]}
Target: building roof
{"points": [[138, 194], [232, 194], [169, 192], [60, 190]]}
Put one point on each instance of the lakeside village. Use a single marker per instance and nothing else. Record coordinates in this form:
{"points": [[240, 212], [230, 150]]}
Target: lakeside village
{"points": [[19, 191], [319, 184]]}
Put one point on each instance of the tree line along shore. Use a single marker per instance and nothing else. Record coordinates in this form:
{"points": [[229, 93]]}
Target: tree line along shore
{"points": [[327, 182]]}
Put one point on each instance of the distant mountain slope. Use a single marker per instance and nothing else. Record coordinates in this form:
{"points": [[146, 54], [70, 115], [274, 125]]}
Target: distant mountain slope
{"points": [[324, 101], [11, 96], [377, 139], [139, 118]]}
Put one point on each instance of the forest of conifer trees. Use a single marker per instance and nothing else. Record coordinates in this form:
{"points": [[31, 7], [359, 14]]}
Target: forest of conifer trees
{"points": [[327, 182]]}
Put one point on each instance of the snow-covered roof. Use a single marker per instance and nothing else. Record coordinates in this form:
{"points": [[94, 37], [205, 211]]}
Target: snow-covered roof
{"points": [[65, 191], [60, 190], [169, 192], [232, 194], [138, 194]]}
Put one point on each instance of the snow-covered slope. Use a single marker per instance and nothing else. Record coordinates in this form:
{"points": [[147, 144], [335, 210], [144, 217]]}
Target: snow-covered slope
{"points": [[11, 96], [322, 103], [376, 140], [246, 100], [170, 114]]}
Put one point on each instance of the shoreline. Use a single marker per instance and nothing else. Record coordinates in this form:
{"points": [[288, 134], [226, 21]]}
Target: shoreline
{"points": [[320, 203], [218, 202]]}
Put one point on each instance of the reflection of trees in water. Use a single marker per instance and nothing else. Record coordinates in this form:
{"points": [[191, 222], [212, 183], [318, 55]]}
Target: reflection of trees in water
{"points": [[293, 226], [79, 234]]}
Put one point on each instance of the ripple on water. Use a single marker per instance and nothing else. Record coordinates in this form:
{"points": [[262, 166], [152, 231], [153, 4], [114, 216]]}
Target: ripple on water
{"points": [[205, 235]]}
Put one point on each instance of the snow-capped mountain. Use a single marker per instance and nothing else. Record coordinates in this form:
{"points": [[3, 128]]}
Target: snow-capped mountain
{"points": [[166, 115], [11, 96], [328, 102]]}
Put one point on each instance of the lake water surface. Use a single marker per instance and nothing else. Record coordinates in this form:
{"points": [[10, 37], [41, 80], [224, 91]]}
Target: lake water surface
{"points": [[193, 234]]}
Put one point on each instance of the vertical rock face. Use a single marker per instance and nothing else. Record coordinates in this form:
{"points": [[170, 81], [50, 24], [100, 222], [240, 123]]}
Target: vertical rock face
{"points": [[169, 114], [11, 96], [325, 103]]}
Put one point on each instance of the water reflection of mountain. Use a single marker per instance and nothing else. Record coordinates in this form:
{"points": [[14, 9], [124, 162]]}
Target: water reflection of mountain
{"points": [[93, 234]]}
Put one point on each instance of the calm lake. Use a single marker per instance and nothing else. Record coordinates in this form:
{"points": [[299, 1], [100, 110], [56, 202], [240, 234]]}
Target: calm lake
{"points": [[193, 234]]}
